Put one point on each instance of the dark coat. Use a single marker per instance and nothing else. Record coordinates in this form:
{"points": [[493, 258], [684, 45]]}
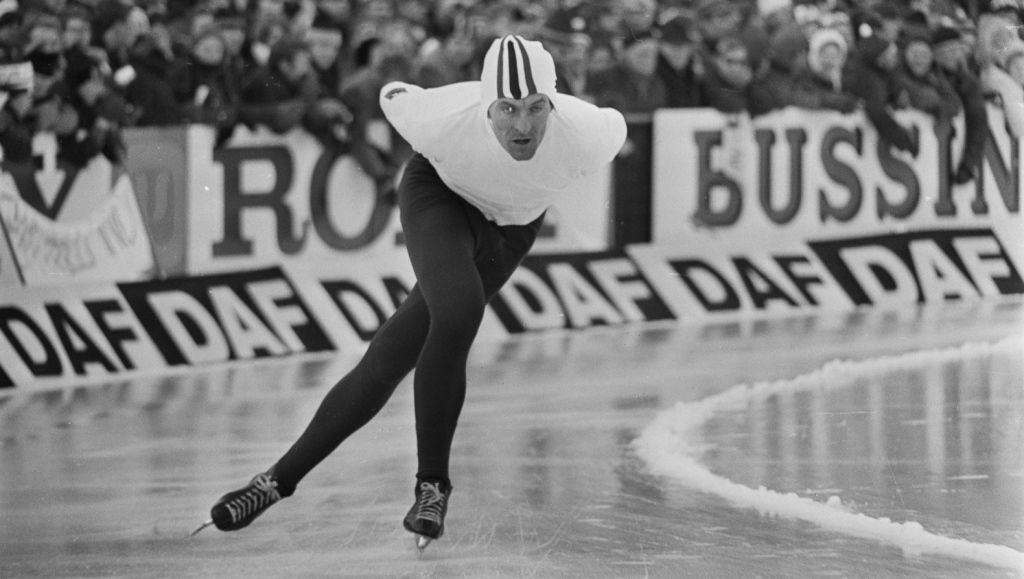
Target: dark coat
{"points": [[931, 93], [208, 94], [968, 88], [150, 93], [877, 90], [780, 87], [718, 94], [269, 99], [629, 92], [681, 85]]}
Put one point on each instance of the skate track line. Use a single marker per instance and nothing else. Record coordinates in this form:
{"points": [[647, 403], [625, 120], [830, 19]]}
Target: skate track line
{"points": [[669, 446]]}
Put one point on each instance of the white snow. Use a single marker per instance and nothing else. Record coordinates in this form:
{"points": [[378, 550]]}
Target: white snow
{"points": [[671, 447]]}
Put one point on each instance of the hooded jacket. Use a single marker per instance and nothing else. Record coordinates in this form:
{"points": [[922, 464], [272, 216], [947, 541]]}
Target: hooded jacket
{"points": [[449, 126], [877, 90]]}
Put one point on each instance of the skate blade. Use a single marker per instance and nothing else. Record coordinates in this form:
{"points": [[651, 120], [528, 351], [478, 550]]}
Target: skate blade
{"points": [[422, 542], [201, 527]]}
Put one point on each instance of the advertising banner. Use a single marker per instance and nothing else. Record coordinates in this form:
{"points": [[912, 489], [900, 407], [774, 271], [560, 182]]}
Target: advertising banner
{"points": [[10, 271], [109, 243], [806, 209], [265, 198]]}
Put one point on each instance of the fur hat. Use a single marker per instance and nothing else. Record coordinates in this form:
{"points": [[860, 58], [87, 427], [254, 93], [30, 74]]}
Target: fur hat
{"points": [[516, 68]]}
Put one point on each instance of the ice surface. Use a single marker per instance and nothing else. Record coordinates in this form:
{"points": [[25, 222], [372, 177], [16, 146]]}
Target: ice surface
{"points": [[668, 445], [107, 480]]}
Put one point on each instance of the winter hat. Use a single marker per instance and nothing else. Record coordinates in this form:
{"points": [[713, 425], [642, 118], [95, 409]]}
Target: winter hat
{"points": [[676, 31], [515, 68], [565, 26], [786, 44], [825, 36], [820, 39]]}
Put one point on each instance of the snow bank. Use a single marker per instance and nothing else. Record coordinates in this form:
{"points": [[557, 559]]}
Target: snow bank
{"points": [[671, 447]]}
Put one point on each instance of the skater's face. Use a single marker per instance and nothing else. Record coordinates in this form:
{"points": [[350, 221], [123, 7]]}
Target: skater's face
{"points": [[520, 124]]}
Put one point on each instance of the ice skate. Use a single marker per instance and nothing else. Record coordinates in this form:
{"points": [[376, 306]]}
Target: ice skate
{"points": [[426, 517], [237, 509]]}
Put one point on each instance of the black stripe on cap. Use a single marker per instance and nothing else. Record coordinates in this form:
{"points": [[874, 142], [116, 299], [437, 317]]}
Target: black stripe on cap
{"points": [[501, 71], [515, 90], [531, 87]]}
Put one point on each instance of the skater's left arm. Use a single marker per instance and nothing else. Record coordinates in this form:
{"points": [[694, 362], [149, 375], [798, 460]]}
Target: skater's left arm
{"points": [[599, 132]]}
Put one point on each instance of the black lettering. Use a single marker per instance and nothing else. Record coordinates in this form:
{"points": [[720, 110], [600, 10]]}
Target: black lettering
{"points": [[397, 290], [842, 174], [115, 336], [338, 290], [786, 263], [318, 202], [709, 180], [236, 201], [50, 365], [729, 301], [902, 173], [88, 352], [1007, 179], [765, 141], [753, 277]]}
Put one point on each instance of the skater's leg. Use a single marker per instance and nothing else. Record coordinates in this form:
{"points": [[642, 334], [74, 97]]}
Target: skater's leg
{"points": [[461, 260], [441, 246], [360, 394]]}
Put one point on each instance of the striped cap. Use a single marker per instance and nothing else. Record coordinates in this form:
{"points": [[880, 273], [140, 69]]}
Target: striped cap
{"points": [[515, 68]]}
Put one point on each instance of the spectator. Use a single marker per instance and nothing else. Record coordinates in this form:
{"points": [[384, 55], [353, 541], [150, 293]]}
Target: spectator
{"points": [[788, 82], [279, 94], [361, 94], [149, 90], [206, 86], [638, 18], [951, 55], [726, 19], [325, 39], [44, 50], [11, 20], [604, 55], [99, 110], [232, 27], [998, 48], [827, 53], [868, 75], [565, 36], [677, 63], [122, 26], [717, 19], [725, 84], [926, 89], [16, 124], [633, 85], [453, 59]]}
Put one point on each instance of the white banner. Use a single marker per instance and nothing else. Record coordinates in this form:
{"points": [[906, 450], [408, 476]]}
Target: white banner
{"points": [[265, 199], [807, 209], [110, 243]]}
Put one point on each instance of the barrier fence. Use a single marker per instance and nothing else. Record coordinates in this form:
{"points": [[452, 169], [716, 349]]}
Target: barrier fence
{"points": [[272, 245]]}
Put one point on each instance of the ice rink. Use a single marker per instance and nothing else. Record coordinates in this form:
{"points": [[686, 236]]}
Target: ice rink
{"points": [[726, 449]]}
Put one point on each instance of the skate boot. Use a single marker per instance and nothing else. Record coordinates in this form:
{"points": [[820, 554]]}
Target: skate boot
{"points": [[426, 517], [237, 509]]}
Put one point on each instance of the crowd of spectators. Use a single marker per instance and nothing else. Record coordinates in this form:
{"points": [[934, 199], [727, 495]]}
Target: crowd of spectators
{"points": [[84, 69]]}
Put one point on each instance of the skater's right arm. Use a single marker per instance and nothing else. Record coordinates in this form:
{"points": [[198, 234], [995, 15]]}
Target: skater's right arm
{"points": [[425, 117]]}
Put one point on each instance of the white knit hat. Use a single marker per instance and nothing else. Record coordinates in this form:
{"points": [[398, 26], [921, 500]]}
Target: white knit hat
{"points": [[515, 68]]}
